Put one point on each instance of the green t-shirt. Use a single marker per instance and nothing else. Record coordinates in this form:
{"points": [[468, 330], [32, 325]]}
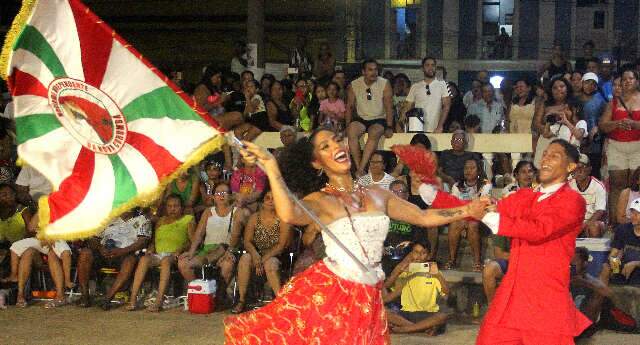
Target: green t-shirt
{"points": [[174, 236]]}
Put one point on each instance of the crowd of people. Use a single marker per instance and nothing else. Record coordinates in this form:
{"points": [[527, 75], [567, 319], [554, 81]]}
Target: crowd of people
{"points": [[221, 212]]}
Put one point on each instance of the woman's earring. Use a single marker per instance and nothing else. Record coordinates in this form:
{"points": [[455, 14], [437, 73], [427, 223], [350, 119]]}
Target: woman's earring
{"points": [[320, 171]]}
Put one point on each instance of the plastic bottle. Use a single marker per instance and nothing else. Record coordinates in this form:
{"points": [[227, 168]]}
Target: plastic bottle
{"points": [[476, 310]]}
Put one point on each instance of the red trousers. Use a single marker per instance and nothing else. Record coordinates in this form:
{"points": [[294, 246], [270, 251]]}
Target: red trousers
{"points": [[496, 335]]}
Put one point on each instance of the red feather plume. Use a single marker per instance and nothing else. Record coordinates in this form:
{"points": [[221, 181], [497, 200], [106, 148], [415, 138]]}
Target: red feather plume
{"points": [[419, 160]]}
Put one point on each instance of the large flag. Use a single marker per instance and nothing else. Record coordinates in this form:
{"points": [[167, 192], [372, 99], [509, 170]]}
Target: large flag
{"points": [[103, 125]]}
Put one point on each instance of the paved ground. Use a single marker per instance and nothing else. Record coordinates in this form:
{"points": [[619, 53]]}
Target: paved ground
{"points": [[72, 325]]}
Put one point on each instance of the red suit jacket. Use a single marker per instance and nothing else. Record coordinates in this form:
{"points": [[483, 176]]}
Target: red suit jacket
{"points": [[534, 294]]}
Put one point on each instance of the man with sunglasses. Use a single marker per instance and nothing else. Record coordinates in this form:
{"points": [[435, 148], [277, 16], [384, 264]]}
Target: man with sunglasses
{"points": [[432, 96], [371, 98]]}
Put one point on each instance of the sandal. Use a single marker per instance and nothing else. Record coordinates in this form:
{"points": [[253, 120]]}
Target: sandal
{"points": [[84, 302], [450, 265], [154, 308], [477, 267], [239, 307], [55, 303], [130, 307], [21, 303]]}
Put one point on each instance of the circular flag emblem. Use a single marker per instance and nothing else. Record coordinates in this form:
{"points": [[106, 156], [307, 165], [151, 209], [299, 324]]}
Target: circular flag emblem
{"points": [[89, 114]]}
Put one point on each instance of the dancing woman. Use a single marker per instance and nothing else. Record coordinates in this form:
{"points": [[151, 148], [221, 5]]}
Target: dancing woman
{"points": [[333, 301]]}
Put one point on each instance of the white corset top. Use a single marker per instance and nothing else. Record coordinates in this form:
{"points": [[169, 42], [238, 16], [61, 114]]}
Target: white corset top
{"points": [[370, 232]]}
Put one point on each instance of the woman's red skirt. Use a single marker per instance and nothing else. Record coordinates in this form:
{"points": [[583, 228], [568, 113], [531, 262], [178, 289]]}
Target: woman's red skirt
{"points": [[316, 307]]}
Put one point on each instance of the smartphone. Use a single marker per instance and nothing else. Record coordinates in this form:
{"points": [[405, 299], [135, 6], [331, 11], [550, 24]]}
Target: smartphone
{"points": [[299, 96], [423, 267], [233, 141]]}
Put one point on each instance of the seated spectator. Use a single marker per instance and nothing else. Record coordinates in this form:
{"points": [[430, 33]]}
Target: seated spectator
{"points": [[26, 250], [265, 238], [208, 93], [288, 137], [624, 258], [471, 124], [451, 162], [588, 292], [340, 78], [266, 82], [313, 249], [472, 186], [377, 174], [419, 139], [247, 184], [319, 94], [31, 185], [369, 110], [219, 232], [187, 187], [13, 227], [400, 233], [627, 196], [401, 86], [173, 234], [213, 173], [496, 269], [595, 196], [418, 292], [257, 120], [525, 174], [474, 95], [332, 108], [117, 247], [299, 105], [277, 109]]}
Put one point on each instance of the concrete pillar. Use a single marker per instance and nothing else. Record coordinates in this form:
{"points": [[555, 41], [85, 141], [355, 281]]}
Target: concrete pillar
{"points": [[352, 30], [546, 29], [515, 30], [450, 27], [255, 27]]}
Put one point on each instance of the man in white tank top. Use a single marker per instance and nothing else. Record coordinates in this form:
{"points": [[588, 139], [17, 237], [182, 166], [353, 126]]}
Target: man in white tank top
{"points": [[371, 98]]}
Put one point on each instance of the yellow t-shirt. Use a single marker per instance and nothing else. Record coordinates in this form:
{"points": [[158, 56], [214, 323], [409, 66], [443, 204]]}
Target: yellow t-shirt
{"points": [[420, 293]]}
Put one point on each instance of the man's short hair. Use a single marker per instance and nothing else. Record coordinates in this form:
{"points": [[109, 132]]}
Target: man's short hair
{"points": [[368, 60], [253, 76], [471, 121], [583, 253], [429, 58], [400, 182], [571, 151]]}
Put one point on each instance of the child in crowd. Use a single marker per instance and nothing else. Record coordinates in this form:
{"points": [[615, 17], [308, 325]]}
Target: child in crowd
{"points": [[332, 109]]}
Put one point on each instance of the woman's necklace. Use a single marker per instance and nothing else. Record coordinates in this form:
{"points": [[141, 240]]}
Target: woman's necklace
{"points": [[354, 198]]}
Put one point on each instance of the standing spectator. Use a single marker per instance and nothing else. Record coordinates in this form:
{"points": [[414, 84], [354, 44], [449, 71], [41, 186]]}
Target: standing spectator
{"points": [[419, 293], [502, 48], [451, 162], [471, 124], [473, 185], [474, 95], [587, 54], [299, 58], [489, 110], [558, 65], [377, 174], [239, 60], [593, 65], [325, 64], [457, 111], [277, 109], [247, 184], [332, 108], [117, 247], [625, 251], [576, 84], [520, 116], [594, 195], [621, 122], [430, 95], [372, 99], [265, 238], [605, 75], [594, 103], [617, 86], [627, 196], [173, 233], [557, 119]]}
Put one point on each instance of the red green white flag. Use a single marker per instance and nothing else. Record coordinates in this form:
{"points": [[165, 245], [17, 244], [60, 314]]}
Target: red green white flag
{"points": [[104, 126]]}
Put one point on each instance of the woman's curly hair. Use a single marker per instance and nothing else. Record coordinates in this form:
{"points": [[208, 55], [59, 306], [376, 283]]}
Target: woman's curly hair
{"points": [[295, 163]]}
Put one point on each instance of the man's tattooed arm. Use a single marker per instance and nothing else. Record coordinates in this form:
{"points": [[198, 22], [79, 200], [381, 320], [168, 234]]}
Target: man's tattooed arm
{"points": [[449, 212]]}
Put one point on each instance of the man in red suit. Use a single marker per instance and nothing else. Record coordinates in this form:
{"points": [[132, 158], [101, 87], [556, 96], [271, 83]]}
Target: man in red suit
{"points": [[533, 304]]}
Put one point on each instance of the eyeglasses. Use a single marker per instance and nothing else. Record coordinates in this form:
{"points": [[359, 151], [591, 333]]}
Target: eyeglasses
{"points": [[220, 193], [369, 95], [401, 191], [428, 90], [457, 139]]}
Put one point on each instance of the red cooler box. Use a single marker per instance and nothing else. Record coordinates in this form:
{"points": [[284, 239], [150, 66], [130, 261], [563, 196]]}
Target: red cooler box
{"points": [[201, 296]]}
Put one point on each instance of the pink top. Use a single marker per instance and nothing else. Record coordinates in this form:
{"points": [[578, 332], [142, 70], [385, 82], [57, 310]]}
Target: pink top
{"points": [[244, 183], [336, 108]]}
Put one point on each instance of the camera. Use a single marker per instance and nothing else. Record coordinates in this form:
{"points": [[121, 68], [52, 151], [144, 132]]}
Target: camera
{"points": [[552, 118]]}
